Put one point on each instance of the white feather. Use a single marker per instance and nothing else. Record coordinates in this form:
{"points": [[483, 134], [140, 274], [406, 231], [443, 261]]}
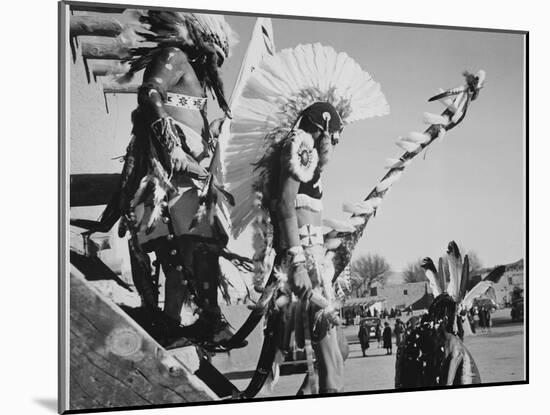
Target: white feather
{"points": [[332, 243], [407, 145], [363, 208], [396, 163], [430, 118], [416, 137], [479, 290], [339, 225], [455, 273], [441, 134], [386, 183], [445, 101], [434, 284]]}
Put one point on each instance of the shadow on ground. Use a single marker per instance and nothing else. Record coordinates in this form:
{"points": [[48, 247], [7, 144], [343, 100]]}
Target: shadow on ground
{"points": [[48, 403]]}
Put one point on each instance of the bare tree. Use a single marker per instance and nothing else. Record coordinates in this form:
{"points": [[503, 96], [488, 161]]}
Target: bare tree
{"points": [[414, 273], [475, 262], [366, 270]]}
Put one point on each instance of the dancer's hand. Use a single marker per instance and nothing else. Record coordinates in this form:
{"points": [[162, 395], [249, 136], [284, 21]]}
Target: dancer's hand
{"points": [[178, 159], [300, 282]]}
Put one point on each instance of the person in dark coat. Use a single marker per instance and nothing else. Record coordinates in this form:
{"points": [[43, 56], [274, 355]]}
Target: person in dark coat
{"points": [[364, 337], [386, 335], [482, 319], [488, 318], [378, 334], [399, 331]]}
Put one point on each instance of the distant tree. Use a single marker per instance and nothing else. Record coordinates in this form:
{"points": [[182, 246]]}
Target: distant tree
{"points": [[475, 262], [414, 273], [367, 270]]}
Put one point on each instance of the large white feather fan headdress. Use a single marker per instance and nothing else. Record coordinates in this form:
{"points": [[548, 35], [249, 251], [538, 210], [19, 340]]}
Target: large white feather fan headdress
{"points": [[273, 98]]}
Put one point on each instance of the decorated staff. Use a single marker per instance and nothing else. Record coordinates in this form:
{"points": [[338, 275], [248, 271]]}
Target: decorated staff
{"points": [[345, 235], [290, 116]]}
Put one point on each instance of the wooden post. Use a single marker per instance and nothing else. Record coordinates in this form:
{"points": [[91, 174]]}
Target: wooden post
{"points": [[115, 363], [92, 189], [109, 67], [104, 48], [116, 88], [95, 26]]}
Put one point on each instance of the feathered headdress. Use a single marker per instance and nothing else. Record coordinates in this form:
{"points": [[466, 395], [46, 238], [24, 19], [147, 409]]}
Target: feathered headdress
{"points": [[460, 288], [194, 32], [273, 99]]}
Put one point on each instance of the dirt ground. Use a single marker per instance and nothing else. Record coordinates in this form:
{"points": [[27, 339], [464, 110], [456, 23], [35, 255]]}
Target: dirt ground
{"points": [[499, 356]]}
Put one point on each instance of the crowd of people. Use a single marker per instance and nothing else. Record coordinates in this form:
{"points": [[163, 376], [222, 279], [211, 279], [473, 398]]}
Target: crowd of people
{"points": [[383, 334], [478, 317]]}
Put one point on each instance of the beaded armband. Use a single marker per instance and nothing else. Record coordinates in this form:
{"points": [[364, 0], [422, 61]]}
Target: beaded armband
{"points": [[296, 255]]}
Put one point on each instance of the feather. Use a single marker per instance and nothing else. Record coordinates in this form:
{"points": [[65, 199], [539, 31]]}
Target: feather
{"points": [[465, 278], [441, 134], [396, 163], [407, 145], [416, 137], [339, 225], [390, 180], [449, 92], [480, 289], [431, 273], [430, 118], [496, 274], [455, 269], [445, 101], [332, 243], [441, 275], [366, 207]]}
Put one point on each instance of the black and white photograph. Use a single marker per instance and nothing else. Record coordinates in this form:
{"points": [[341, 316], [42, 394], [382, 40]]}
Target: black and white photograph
{"points": [[264, 207]]}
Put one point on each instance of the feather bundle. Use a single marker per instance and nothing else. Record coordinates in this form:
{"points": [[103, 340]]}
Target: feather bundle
{"points": [[430, 118], [272, 99]]}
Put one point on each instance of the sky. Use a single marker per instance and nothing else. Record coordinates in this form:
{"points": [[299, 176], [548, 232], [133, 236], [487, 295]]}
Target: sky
{"points": [[468, 188]]}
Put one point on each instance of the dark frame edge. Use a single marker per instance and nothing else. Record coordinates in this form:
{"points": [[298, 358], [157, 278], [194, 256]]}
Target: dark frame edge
{"points": [[297, 17], [62, 394]]}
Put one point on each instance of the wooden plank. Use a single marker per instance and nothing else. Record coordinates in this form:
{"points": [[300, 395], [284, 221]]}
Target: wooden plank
{"points": [[107, 26], [104, 48], [115, 363], [108, 67], [116, 88], [92, 189]]}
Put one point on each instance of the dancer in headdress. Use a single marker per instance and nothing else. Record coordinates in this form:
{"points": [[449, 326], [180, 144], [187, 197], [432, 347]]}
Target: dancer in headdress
{"points": [[166, 168], [287, 122], [433, 353]]}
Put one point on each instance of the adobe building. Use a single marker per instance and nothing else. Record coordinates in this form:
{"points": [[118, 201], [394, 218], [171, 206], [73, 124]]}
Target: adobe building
{"points": [[512, 278], [417, 295]]}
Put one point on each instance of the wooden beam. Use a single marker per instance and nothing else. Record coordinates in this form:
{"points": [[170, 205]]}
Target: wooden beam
{"points": [[115, 363], [109, 67], [116, 88], [107, 26], [104, 48], [92, 189]]}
